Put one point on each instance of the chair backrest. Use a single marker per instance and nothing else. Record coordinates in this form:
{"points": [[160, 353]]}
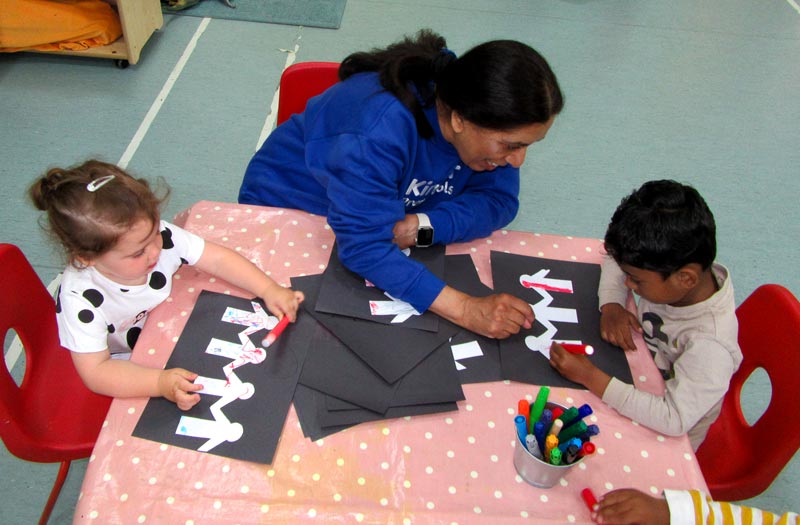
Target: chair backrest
{"points": [[50, 416], [740, 461], [300, 82]]}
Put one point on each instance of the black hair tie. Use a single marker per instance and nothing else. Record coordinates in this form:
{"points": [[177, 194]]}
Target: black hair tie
{"points": [[444, 58]]}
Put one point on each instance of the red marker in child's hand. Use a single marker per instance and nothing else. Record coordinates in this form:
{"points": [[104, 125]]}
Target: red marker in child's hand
{"points": [[578, 349], [275, 332]]}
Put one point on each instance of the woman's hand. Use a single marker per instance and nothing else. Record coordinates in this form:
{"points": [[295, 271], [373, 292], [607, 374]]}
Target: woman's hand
{"points": [[616, 324], [405, 231], [497, 315]]}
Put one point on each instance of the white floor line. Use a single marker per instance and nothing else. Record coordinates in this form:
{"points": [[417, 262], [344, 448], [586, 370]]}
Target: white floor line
{"points": [[269, 123], [794, 5], [162, 96], [15, 348]]}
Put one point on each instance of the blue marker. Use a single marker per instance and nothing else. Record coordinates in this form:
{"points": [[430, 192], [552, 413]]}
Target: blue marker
{"points": [[583, 411], [546, 419], [522, 428], [533, 446], [572, 441], [538, 432], [591, 430]]}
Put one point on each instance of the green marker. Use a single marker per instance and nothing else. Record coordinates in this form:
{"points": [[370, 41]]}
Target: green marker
{"points": [[555, 456], [571, 431], [538, 407]]}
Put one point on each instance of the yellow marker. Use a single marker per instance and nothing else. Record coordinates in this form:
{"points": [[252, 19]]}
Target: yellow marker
{"points": [[549, 444]]}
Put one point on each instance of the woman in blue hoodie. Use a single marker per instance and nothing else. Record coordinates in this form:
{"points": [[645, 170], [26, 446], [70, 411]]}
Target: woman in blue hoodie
{"points": [[415, 146]]}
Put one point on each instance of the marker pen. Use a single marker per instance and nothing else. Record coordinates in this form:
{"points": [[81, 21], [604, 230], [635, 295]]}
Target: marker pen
{"points": [[546, 419], [578, 349], [533, 446], [555, 456], [538, 432], [557, 411], [583, 411], [572, 441], [572, 431], [571, 454], [275, 332], [591, 430], [538, 405], [550, 444], [587, 449], [555, 428], [522, 428], [524, 408], [569, 415], [589, 499]]}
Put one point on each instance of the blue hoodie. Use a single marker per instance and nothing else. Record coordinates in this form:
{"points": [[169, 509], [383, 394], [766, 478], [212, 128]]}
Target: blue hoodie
{"points": [[355, 157]]}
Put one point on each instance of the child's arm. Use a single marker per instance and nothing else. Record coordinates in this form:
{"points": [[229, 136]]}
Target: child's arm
{"points": [[229, 265], [121, 378], [616, 322], [629, 507], [578, 368]]}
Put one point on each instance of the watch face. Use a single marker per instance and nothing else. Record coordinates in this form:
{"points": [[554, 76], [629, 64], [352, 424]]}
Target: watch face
{"points": [[424, 237]]}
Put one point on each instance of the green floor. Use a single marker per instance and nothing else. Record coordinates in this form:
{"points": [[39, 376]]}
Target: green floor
{"points": [[702, 92]]}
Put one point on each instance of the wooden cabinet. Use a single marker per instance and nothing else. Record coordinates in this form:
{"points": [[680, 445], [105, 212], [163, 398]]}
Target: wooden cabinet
{"points": [[139, 19]]}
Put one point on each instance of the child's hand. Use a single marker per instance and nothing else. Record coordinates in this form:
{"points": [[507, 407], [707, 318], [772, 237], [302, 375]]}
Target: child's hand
{"points": [[629, 507], [176, 385], [578, 368], [616, 324], [283, 301]]}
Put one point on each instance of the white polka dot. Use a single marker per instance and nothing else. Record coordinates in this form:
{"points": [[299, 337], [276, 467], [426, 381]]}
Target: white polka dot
{"points": [[617, 435], [488, 393], [660, 439], [245, 489], [643, 379], [473, 474], [670, 473], [123, 497], [93, 515], [135, 460], [476, 510], [296, 458], [407, 484], [494, 458], [152, 480], [645, 454], [609, 486], [428, 435], [315, 476], [490, 424], [264, 508], [337, 497], [543, 498], [362, 481], [471, 440], [198, 485], [448, 420], [106, 477], [312, 513], [407, 449], [362, 446], [290, 493], [340, 462], [384, 466], [451, 489], [654, 490], [687, 456], [429, 470], [119, 443], [430, 505], [498, 494], [181, 465], [524, 514], [384, 502], [218, 504], [626, 468], [385, 431]]}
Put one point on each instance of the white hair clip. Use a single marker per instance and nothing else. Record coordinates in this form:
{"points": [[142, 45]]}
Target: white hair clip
{"points": [[99, 183]]}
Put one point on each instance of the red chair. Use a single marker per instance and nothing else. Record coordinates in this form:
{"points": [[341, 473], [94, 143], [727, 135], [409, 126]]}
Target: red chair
{"points": [[300, 82], [51, 416], [740, 461]]}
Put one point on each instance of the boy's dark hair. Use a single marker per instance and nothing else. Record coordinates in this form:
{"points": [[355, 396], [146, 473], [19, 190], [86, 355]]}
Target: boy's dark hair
{"points": [[498, 85], [661, 227]]}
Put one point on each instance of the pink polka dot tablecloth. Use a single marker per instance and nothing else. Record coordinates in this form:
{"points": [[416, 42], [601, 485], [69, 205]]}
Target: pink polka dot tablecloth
{"points": [[450, 468]]}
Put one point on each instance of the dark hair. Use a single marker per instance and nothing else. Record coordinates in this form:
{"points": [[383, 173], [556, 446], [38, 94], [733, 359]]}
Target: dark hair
{"points": [[91, 205], [499, 85], [662, 226]]}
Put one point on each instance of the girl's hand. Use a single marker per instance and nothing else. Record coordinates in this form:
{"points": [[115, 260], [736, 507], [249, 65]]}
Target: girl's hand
{"points": [[616, 324], [283, 301], [176, 385], [631, 507]]}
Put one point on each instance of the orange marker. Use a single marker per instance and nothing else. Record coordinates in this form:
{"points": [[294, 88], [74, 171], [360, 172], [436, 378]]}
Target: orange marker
{"points": [[275, 332], [578, 349]]}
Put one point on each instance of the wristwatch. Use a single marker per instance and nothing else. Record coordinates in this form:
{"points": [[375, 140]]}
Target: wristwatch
{"points": [[424, 232]]}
